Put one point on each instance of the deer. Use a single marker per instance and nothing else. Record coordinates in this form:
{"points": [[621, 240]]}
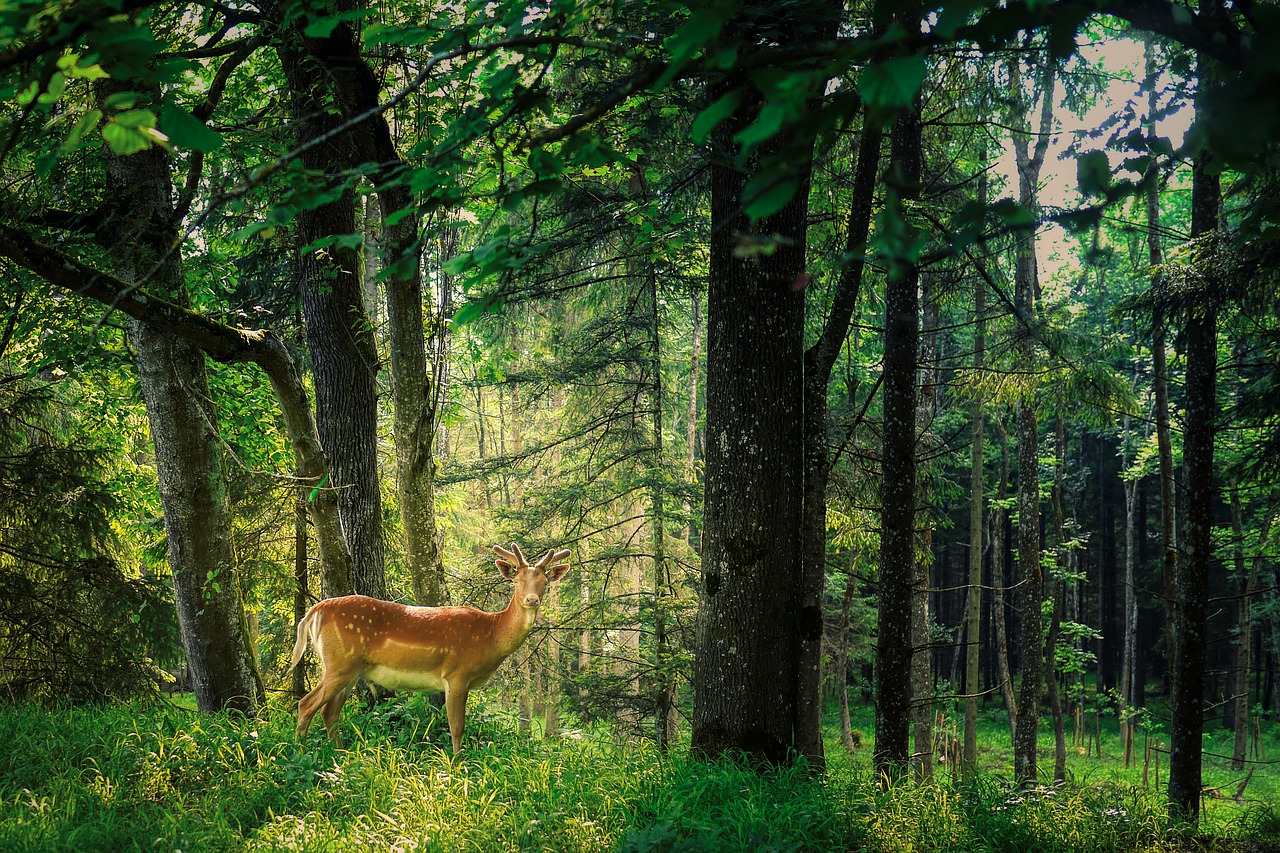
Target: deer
{"points": [[402, 647]]}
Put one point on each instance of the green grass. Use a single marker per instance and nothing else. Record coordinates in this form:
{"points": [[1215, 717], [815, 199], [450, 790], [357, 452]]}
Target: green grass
{"points": [[163, 778], [1086, 769]]}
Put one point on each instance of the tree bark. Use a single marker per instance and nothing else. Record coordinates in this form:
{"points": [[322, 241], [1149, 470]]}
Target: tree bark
{"points": [[138, 235], [750, 672], [973, 598], [1195, 550], [819, 360], [1248, 588], [1129, 658], [998, 582], [921, 637], [898, 480], [415, 400], [691, 534], [664, 701], [1160, 374], [1057, 594], [344, 359], [301, 600], [842, 667], [1031, 580]]}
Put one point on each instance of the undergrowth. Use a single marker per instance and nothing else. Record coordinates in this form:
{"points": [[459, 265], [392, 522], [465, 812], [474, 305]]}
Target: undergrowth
{"points": [[160, 778]]}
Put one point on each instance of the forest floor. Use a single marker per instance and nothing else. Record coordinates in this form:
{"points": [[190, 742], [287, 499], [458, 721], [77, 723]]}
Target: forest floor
{"points": [[163, 778]]}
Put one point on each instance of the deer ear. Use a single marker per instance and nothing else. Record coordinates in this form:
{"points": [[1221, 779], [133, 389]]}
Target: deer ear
{"points": [[556, 572], [509, 571]]}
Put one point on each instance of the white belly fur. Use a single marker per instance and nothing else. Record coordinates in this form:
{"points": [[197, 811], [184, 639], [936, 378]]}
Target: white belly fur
{"points": [[396, 679]]}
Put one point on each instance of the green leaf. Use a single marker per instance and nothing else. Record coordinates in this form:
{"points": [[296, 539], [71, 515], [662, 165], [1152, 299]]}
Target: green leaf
{"points": [[121, 100], [45, 163], [135, 118], [71, 65], [769, 198], [322, 28], [767, 124], [714, 114], [544, 163], [1012, 214], [57, 85], [186, 131], [1093, 172], [87, 122], [265, 229], [701, 28], [125, 140], [476, 308], [459, 264], [893, 83], [316, 491]]}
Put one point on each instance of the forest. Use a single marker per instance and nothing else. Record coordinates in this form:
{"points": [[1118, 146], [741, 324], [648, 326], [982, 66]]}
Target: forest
{"points": [[887, 389]]}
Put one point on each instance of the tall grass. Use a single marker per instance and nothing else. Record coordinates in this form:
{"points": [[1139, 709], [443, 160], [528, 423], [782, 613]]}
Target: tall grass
{"points": [[135, 778]]}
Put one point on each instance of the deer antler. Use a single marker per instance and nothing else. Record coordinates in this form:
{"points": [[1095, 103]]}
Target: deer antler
{"points": [[552, 555], [505, 554], [519, 554]]}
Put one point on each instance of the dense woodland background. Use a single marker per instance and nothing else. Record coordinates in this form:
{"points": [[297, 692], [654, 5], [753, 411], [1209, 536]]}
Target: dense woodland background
{"points": [[758, 309]]}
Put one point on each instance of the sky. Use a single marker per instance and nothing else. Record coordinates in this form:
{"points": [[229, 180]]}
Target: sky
{"points": [[1122, 61]]}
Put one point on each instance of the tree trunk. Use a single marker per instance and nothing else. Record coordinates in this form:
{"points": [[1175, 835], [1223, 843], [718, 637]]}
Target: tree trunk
{"points": [[749, 671], [921, 639], [138, 235], [373, 250], [664, 700], [339, 334], [301, 599], [1031, 580], [1129, 660], [414, 399], [819, 360], [1160, 374], [973, 604], [898, 482], [1248, 588], [691, 421], [584, 608], [999, 579], [1057, 592], [842, 664], [1195, 551]]}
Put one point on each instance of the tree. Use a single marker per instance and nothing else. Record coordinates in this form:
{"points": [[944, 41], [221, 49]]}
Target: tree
{"points": [[1195, 545], [171, 375], [751, 618], [819, 361], [973, 599], [898, 462], [344, 360], [1031, 579]]}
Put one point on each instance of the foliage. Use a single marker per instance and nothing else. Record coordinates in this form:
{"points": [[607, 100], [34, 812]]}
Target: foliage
{"points": [[131, 777], [76, 626]]}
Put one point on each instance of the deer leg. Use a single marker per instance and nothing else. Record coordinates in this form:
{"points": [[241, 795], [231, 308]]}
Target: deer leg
{"points": [[327, 697], [330, 713], [455, 703], [308, 706]]}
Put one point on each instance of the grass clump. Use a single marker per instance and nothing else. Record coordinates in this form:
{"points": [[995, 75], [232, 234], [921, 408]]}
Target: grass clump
{"points": [[131, 778]]}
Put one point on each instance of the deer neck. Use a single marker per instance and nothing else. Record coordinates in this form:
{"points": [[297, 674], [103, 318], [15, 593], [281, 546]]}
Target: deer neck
{"points": [[514, 624]]}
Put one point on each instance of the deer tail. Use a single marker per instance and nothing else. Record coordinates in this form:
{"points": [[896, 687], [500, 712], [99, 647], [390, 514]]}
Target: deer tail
{"points": [[305, 627]]}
